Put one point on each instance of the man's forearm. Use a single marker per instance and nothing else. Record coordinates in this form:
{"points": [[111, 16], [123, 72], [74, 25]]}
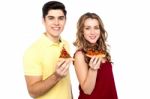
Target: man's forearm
{"points": [[39, 88]]}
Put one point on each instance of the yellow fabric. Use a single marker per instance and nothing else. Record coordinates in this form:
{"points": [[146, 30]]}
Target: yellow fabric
{"points": [[40, 60]]}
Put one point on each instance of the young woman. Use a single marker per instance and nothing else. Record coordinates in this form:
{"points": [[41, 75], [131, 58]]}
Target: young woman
{"points": [[94, 72]]}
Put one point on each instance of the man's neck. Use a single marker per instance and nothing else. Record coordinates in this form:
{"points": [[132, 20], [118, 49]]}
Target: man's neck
{"points": [[54, 39]]}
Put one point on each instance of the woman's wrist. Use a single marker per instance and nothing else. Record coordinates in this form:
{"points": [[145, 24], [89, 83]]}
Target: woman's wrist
{"points": [[93, 69]]}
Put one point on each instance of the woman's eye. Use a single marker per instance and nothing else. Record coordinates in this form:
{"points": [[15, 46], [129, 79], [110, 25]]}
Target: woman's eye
{"points": [[96, 28], [87, 28]]}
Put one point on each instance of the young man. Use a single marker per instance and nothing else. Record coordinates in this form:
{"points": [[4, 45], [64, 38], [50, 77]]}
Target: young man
{"points": [[47, 75]]}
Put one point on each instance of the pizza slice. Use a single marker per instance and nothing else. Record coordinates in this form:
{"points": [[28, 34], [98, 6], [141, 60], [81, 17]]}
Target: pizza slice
{"points": [[98, 53], [64, 54]]}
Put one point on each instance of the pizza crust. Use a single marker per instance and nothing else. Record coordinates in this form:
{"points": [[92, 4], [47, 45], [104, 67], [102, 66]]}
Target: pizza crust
{"points": [[99, 55]]}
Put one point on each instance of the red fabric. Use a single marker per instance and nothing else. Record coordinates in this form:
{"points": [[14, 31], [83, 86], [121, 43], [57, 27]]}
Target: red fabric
{"points": [[105, 85]]}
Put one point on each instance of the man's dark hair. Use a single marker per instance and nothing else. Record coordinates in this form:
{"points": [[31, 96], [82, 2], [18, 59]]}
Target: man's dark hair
{"points": [[53, 5]]}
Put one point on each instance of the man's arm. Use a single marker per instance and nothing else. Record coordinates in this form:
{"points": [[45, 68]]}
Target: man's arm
{"points": [[37, 87]]}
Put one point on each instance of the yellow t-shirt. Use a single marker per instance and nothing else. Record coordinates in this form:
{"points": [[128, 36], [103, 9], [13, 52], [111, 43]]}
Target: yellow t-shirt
{"points": [[40, 60]]}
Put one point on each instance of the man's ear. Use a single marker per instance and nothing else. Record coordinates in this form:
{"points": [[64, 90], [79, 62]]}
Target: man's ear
{"points": [[43, 21]]}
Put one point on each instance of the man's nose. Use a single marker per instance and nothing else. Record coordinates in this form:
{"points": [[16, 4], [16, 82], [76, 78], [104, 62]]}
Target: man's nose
{"points": [[56, 22]]}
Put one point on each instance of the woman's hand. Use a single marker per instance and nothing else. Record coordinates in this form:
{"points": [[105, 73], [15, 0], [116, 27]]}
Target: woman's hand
{"points": [[95, 63]]}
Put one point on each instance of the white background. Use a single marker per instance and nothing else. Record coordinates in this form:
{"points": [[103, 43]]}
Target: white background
{"points": [[126, 21]]}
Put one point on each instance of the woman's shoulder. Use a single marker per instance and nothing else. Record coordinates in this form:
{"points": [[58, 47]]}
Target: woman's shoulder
{"points": [[78, 52]]}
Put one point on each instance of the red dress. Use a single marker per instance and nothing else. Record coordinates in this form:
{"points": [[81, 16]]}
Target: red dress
{"points": [[105, 85]]}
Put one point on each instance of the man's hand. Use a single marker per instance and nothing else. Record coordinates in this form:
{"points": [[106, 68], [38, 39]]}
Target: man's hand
{"points": [[62, 67]]}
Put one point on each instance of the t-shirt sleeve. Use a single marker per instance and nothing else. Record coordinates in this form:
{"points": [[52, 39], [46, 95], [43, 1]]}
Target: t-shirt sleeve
{"points": [[31, 63]]}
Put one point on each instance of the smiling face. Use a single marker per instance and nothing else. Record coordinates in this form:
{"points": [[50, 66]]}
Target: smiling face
{"points": [[54, 23], [91, 30]]}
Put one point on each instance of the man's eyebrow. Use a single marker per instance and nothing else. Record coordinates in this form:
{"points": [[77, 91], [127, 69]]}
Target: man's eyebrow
{"points": [[50, 16], [54, 16], [62, 16]]}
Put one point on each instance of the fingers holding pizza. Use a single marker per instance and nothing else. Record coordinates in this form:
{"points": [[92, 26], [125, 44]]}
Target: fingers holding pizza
{"points": [[63, 63]]}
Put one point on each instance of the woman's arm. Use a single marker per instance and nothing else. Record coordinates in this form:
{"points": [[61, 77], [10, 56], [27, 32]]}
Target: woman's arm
{"points": [[86, 76]]}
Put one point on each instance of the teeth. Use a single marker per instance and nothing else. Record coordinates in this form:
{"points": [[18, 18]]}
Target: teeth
{"points": [[56, 28], [92, 37]]}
